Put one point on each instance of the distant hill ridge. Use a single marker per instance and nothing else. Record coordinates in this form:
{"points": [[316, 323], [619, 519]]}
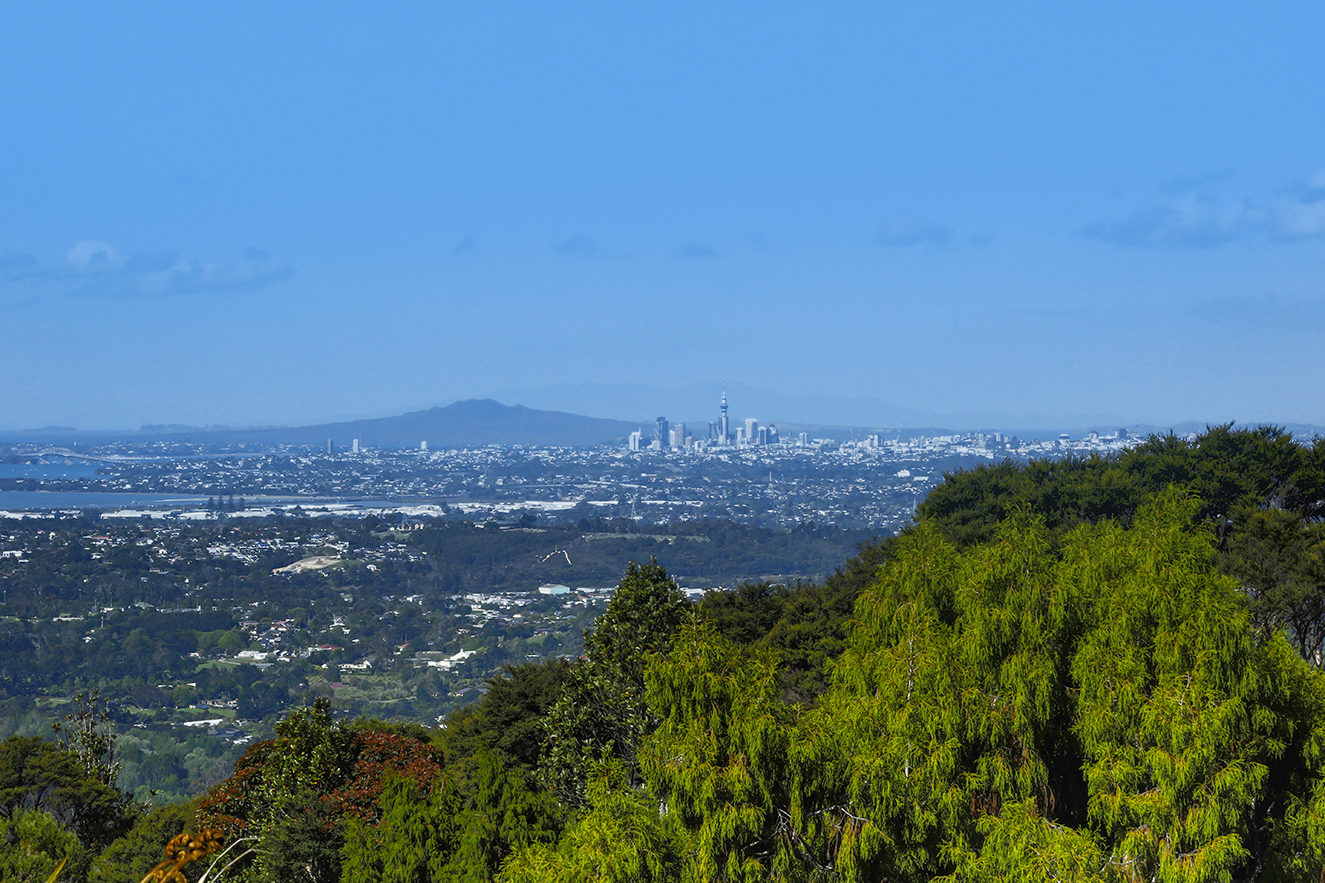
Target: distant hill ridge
{"points": [[478, 422], [471, 423], [462, 424]]}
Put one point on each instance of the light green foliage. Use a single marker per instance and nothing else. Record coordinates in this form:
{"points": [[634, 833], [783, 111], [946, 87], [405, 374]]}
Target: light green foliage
{"points": [[1111, 690], [1176, 736], [1297, 848], [619, 838], [947, 704], [718, 756], [459, 827], [395, 850], [603, 713], [1091, 703], [1261, 492], [501, 809], [1021, 846], [32, 845]]}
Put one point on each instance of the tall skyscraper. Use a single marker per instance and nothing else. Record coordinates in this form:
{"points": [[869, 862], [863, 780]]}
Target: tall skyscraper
{"points": [[751, 430], [724, 438], [660, 433]]}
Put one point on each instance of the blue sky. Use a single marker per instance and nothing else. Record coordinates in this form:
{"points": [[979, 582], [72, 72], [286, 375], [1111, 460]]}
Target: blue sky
{"points": [[288, 213]]}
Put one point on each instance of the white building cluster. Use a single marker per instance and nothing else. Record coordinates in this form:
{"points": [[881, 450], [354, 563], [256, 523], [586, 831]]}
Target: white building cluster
{"points": [[721, 434]]}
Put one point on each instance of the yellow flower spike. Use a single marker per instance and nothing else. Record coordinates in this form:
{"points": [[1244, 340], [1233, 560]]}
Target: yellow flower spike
{"points": [[180, 851]]}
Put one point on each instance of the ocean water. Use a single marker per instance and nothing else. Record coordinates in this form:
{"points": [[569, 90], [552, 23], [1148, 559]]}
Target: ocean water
{"points": [[11, 500], [48, 470]]}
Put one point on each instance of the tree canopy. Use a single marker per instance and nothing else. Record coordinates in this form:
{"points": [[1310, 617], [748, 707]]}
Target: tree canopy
{"points": [[602, 713], [1094, 669], [1260, 492]]}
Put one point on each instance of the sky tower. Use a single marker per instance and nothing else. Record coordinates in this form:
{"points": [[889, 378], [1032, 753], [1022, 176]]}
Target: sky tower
{"points": [[724, 433]]}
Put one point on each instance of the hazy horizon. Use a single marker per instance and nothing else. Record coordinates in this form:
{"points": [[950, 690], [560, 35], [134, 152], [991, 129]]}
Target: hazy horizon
{"points": [[295, 214], [621, 403]]}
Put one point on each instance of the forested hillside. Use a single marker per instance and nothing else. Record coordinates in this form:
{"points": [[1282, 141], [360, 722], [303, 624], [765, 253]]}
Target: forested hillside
{"points": [[1100, 669]]}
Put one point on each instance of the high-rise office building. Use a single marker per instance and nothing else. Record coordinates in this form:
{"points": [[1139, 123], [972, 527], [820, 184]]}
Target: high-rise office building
{"points": [[679, 435], [751, 430], [660, 437]]}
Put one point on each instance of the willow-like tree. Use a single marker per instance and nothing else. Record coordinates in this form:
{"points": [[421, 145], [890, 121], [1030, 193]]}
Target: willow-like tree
{"points": [[1094, 705], [446, 830], [617, 838], [1017, 702], [717, 761]]}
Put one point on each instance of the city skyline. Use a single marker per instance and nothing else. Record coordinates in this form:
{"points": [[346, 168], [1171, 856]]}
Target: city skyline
{"points": [[487, 421], [940, 215]]}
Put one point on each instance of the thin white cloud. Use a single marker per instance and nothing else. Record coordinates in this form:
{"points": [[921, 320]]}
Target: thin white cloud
{"points": [[93, 268], [1298, 215], [1195, 218], [94, 256], [1184, 220]]}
